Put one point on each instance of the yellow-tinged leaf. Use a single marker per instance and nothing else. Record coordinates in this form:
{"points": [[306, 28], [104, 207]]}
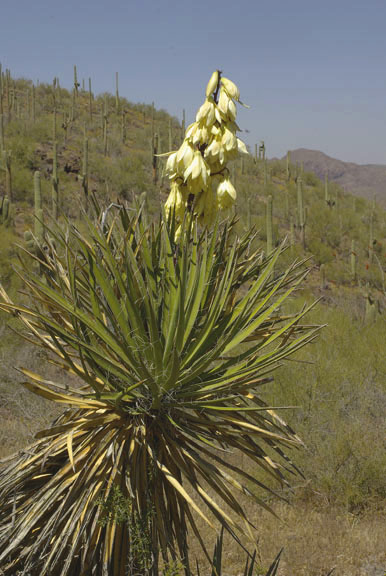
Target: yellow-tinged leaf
{"points": [[69, 448]]}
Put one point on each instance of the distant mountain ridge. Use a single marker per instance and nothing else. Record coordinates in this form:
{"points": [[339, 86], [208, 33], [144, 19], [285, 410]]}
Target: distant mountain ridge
{"points": [[360, 179]]}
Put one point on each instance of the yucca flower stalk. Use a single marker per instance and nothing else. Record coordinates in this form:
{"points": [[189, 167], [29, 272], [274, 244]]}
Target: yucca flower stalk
{"points": [[198, 170]]}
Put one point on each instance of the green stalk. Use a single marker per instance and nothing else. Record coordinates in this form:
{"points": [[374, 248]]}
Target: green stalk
{"points": [[301, 213], [7, 167], [269, 225], [116, 93], [39, 226], [89, 99], [288, 166], [353, 258]]}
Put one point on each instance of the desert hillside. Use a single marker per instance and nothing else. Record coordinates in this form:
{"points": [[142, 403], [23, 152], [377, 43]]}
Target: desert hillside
{"points": [[366, 180]]}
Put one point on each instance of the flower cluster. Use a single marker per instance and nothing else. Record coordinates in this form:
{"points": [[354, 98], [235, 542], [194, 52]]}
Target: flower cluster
{"points": [[198, 170]]}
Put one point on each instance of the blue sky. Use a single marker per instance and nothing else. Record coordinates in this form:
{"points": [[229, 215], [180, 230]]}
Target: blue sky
{"points": [[314, 73]]}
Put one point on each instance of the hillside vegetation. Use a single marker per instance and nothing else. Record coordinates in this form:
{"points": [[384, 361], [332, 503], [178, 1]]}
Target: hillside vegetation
{"points": [[83, 144]]}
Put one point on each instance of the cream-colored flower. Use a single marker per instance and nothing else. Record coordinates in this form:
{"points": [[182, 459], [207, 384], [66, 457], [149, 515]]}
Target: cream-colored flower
{"points": [[226, 194], [176, 201], [171, 165], [212, 84], [206, 113], [184, 156], [229, 140], [197, 169], [230, 88], [241, 147]]}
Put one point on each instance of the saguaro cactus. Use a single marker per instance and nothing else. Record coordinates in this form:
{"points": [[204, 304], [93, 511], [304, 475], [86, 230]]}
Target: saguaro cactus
{"points": [[327, 196], [76, 83], [183, 124], [89, 99], [123, 126], [7, 167], [105, 122], [85, 170], [55, 182], [372, 241], [38, 224], [288, 166], [5, 211], [116, 93], [353, 261], [155, 144], [262, 150], [2, 145], [170, 134], [301, 211], [33, 104], [269, 225]]}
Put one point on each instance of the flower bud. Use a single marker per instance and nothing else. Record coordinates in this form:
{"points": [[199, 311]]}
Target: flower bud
{"points": [[230, 88], [212, 84]]}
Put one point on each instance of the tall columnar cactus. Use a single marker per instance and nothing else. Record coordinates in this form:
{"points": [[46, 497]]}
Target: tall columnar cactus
{"points": [[7, 92], [105, 122], [85, 170], [89, 99], [33, 104], [55, 182], [123, 126], [353, 261], [301, 211], [116, 93], [372, 241], [2, 145], [327, 196], [76, 83], [269, 221], [170, 134], [292, 233], [65, 126], [7, 167], [73, 106], [288, 166], [265, 167], [256, 153], [155, 151], [38, 224], [5, 211], [262, 151], [183, 127], [286, 204]]}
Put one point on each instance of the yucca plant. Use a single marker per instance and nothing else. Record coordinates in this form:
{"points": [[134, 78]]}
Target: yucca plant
{"points": [[170, 329], [171, 342]]}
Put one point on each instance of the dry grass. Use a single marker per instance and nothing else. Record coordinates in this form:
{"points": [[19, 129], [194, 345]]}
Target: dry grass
{"points": [[315, 540]]}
